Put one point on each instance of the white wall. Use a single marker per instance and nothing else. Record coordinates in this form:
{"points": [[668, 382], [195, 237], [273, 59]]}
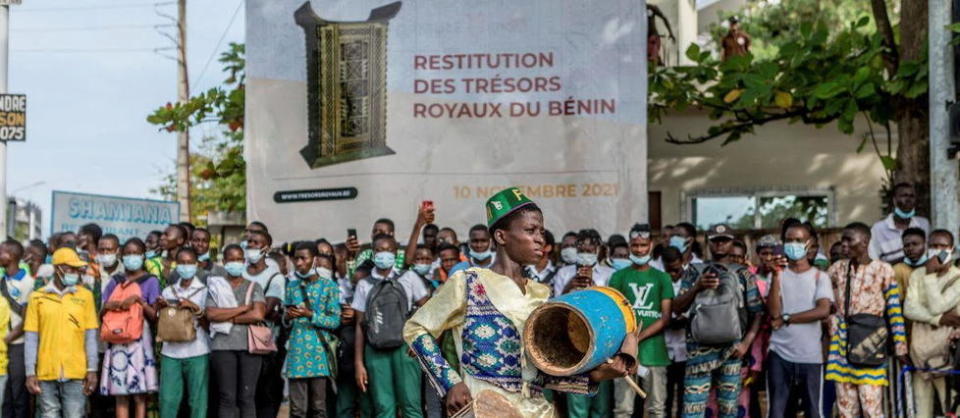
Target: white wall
{"points": [[779, 155]]}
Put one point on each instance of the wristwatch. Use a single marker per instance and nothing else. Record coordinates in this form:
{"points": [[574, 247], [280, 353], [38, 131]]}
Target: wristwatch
{"points": [[786, 318]]}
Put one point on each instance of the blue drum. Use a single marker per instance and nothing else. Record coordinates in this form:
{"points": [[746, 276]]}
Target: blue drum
{"points": [[576, 332]]}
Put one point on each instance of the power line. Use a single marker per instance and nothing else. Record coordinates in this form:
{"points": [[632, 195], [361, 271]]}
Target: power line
{"points": [[97, 7], [89, 28], [220, 42]]}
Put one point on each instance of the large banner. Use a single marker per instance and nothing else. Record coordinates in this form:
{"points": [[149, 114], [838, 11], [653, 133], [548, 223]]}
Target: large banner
{"points": [[361, 109], [123, 216]]}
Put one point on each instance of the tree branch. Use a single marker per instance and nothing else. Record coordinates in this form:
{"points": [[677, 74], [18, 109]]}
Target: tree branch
{"points": [[744, 124], [891, 57]]}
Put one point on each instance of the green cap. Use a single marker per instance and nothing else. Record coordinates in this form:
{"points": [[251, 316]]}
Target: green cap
{"points": [[504, 203]]}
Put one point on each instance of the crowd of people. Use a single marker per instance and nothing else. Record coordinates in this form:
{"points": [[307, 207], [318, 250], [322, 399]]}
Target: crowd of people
{"points": [[92, 325]]}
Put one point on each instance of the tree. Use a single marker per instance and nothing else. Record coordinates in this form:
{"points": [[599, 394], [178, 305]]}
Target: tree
{"points": [[218, 170], [833, 67]]}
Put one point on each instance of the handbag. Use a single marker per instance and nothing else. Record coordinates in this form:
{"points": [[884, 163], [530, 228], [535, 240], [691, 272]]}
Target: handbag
{"points": [[866, 334], [259, 337], [175, 324]]}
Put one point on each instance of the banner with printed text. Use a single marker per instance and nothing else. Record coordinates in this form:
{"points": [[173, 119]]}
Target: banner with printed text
{"points": [[122, 216], [361, 109]]}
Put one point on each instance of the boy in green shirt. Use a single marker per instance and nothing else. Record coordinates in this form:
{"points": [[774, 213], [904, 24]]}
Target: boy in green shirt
{"points": [[650, 291]]}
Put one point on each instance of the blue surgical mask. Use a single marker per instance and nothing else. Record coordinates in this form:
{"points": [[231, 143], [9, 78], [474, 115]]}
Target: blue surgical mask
{"points": [[203, 257], [620, 263], [253, 255], [481, 256], [48, 259], [923, 260], [795, 251], [151, 253], [71, 279], [304, 275], [904, 215], [243, 244], [422, 269], [132, 262], [569, 255], [235, 268], [679, 243], [384, 259], [107, 260], [586, 259], [187, 271], [640, 261]]}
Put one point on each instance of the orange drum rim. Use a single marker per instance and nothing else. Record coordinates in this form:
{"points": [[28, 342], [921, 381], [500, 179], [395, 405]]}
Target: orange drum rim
{"points": [[628, 315]]}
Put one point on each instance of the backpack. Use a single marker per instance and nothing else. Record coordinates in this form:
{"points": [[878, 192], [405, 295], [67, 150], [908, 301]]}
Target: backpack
{"points": [[718, 316], [122, 327], [386, 313]]}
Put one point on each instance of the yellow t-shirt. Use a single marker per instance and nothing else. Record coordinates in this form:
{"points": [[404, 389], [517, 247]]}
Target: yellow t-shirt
{"points": [[61, 322], [4, 328]]}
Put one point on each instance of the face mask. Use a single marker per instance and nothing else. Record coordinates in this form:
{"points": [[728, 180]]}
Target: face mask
{"points": [[569, 255], [243, 244], [422, 269], [151, 253], [48, 259], [921, 261], [931, 253], [107, 259], [70, 279], [235, 268], [481, 256], [640, 261], [253, 255], [384, 259], [586, 259], [795, 250], [679, 243], [620, 263], [132, 262], [187, 271], [324, 272], [904, 215], [203, 257], [304, 275]]}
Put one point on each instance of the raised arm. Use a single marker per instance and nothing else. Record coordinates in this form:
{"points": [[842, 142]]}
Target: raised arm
{"points": [[424, 217]]}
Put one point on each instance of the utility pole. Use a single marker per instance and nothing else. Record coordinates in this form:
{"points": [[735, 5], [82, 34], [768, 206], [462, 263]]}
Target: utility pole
{"points": [[4, 55], [183, 92], [944, 172]]}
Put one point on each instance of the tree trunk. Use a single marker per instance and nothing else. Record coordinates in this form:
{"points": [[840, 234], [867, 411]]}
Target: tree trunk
{"points": [[183, 93], [913, 123]]}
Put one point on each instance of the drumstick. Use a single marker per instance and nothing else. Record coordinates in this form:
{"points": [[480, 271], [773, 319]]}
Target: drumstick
{"points": [[635, 387]]}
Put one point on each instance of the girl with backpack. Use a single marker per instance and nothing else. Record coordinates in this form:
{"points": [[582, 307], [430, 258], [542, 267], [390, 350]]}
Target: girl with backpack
{"points": [[129, 368]]}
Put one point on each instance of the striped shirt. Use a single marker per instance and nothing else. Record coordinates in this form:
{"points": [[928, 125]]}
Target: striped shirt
{"points": [[886, 240]]}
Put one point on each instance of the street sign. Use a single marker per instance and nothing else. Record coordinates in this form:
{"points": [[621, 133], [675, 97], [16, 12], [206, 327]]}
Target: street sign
{"points": [[13, 117], [122, 216]]}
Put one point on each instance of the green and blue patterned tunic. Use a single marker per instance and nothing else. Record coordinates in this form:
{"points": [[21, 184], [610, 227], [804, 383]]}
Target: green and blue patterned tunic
{"points": [[307, 356]]}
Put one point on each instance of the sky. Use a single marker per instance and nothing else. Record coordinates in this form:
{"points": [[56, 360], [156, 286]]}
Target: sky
{"points": [[91, 77]]}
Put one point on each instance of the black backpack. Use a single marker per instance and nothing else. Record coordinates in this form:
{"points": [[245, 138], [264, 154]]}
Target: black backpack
{"points": [[387, 311]]}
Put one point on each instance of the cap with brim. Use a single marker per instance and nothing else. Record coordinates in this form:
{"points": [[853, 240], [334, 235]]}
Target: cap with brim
{"points": [[768, 241], [67, 256], [720, 231], [504, 203]]}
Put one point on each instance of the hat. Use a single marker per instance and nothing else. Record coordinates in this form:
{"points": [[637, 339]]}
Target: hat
{"points": [[504, 203], [768, 241], [720, 231], [69, 257]]}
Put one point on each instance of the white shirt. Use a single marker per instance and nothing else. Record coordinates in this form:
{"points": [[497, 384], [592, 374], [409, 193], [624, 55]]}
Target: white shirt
{"points": [[277, 288], [601, 276], [886, 241], [196, 293], [20, 291], [411, 283], [676, 339], [546, 272]]}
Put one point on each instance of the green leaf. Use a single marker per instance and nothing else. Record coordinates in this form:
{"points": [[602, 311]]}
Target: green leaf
{"points": [[889, 163], [862, 22], [783, 99], [865, 91], [693, 52], [828, 90]]}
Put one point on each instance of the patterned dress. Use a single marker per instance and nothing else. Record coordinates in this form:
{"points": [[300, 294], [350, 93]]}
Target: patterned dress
{"points": [[131, 369], [307, 355], [486, 312]]}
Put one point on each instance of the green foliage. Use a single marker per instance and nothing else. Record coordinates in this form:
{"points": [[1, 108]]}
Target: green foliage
{"points": [[217, 168], [815, 75]]}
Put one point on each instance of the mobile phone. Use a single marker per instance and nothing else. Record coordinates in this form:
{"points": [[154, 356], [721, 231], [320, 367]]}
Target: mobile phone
{"points": [[942, 257], [712, 269], [427, 204], [351, 233], [778, 251]]}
